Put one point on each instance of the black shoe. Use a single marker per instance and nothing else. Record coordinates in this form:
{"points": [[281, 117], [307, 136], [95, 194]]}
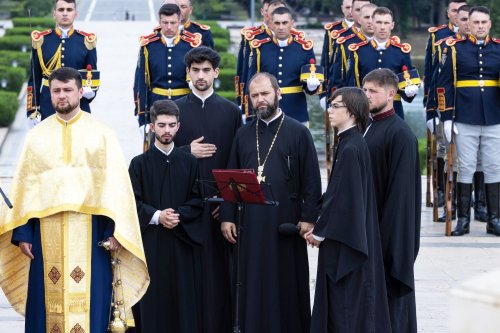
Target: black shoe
{"points": [[464, 192], [480, 211], [440, 198], [493, 206], [442, 218], [440, 181]]}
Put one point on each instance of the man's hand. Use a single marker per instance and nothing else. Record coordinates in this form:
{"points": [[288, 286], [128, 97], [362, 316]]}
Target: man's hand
{"points": [[26, 249], [305, 227], [447, 129], [114, 245], [88, 93], [411, 90], [34, 119], [169, 218], [202, 150], [312, 83], [311, 240], [322, 103], [229, 231], [430, 124]]}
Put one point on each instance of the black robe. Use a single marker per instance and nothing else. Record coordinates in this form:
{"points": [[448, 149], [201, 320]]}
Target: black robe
{"points": [[172, 302], [274, 268], [217, 120], [396, 176], [350, 285]]}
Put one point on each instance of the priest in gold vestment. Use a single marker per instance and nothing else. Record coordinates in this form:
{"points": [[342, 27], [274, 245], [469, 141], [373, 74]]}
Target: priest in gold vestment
{"points": [[70, 192]]}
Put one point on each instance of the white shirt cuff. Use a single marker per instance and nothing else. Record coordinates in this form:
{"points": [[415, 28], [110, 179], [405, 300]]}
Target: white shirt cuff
{"points": [[320, 239], [155, 218]]}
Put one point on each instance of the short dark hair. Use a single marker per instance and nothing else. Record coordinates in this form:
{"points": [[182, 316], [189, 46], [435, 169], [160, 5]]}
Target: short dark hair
{"points": [[383, 11], [456, 1], [270, 77], [169, 9], [356, 103], [282, 11], [279, 2], [479, 9], [464, 8], [382, 77], [66, 74], [353, 1], [165, 107], [201, 54], [68, 1]]}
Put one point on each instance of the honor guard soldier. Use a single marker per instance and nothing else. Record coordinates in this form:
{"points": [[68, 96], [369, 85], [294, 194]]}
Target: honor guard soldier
{"points": [[247, 36], [60, 47], [191, 26], [338, 71], [383, 51], [161, 72], [468, 98], [283, 55]]}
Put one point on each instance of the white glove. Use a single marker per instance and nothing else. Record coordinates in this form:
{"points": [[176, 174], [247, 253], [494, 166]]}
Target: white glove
{"points": [[34, 119], [431, 123], [88, 93], [312, 83], [141, 129], [411, 90], [322, 103], [447, 129]]}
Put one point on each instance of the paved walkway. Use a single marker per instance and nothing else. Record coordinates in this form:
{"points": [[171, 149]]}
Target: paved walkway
{"points": [[442, 263]]}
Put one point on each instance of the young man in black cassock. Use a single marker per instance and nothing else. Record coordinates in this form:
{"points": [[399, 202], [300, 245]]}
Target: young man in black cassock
{"points": [[396, 176], [350, 292], [274, 296], [169, 205], [209, 124]]}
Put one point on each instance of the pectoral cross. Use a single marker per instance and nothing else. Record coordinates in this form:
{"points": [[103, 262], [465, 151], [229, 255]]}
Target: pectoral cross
{"points": [[260, 170]]}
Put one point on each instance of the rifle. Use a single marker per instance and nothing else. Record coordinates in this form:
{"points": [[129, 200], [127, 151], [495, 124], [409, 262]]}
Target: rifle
{"points": [[328, 126], [428, 155], [147, 131], [449, 181], [434, 174]]}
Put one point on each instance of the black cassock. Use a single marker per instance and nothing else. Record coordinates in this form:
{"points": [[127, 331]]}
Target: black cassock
{"points": [[350, 285], [172, 302], [396, 176], [274, 268], [217, 120]]}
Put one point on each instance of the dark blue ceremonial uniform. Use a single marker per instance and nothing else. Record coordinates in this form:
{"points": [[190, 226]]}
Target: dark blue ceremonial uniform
{"points": [[206, 35], [365, 57], [161, 71], [50, 52], [285, 64], [436, 34], [476, 96]]}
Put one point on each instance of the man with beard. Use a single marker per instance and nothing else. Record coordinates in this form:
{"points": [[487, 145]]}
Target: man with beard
{"points": [[169, 204], [396, 177], [274, 271], [71, 192], [209, 124]]}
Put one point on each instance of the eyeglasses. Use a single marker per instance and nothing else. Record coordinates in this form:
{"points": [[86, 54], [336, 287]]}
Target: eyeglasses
{"points": [[336, 106]]}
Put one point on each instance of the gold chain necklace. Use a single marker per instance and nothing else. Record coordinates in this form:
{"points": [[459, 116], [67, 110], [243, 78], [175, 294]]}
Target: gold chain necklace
{"points": [[260, 168]]}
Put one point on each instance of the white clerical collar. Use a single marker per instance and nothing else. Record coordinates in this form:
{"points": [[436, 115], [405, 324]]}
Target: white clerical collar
{"points": [[283, 43], [163, 151], [169, 41], [203, 99], [348, 23], [380, 45], [345, 129], [64, 32], [274, 118]]}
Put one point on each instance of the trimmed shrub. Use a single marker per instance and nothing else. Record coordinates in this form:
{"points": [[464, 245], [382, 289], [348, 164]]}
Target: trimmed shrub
{"points": [[221, 45], [22, 31], [230, 95], [227, 61], [8, 107], [15, 43], [23, 59], [15, 77], [226, 77], [43, 22]]}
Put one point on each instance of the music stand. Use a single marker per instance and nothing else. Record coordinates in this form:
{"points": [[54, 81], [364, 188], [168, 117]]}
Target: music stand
{"points": [[239, 186]]}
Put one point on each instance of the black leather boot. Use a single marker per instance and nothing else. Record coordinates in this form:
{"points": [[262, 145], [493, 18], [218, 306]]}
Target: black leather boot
{"points": [[492, 204], [464, 192], [480, 212], [442, 218], [441, 187]]}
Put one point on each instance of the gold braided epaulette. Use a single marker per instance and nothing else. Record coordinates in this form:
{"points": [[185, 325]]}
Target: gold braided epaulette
{"points": [[194, 39], [341, 40], [256, 43], [453, 41], [202, 26], [330, 25], [90, 39], [37, 37], [405, 47], [145, 40], [434, 29], [306, 43], [355, 47]]}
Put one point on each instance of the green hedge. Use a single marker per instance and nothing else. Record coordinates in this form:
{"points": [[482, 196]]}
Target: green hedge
{"points": [[23, 59], [15, 77], [8, 107], [226, 77], [43, 22], [21, 31], [422, 154], [227, 61], [14, 43], [228, 94], [221, 45]]}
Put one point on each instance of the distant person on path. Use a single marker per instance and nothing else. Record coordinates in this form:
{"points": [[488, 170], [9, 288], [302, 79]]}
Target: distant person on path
{"points": [[63, 46], [71, 191], [397, 183], [350, 284]]}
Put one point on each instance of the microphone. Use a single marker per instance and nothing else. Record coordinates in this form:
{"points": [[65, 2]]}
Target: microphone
{"points": [[289, 229]]}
